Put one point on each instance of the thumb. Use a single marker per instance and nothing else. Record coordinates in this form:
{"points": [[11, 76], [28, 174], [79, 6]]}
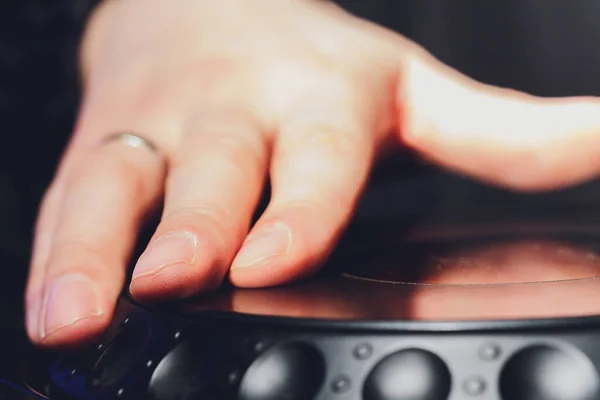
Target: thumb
{"points": [[502, 136]]}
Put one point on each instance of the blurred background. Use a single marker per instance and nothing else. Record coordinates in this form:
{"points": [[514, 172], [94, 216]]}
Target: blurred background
{"points": [[544, 47]]}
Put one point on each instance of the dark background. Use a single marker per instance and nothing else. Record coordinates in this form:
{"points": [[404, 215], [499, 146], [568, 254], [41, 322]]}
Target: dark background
{"points": [[545, 47]]}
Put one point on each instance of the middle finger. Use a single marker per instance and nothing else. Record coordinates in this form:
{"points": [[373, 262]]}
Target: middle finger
{"points": [[212, 190]]}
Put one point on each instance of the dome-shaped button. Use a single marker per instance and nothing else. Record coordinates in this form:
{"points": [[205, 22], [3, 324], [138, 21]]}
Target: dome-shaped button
{"points": [[547, 373], [187, 372], [294, 371], [407, 375]]}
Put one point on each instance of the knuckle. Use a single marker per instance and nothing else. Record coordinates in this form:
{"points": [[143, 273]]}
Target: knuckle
{"points": [[322, 199], [136, 91], [239, 156], [308, 72], [128, 93], [228, 149], [336, 141], [330, 162], [331, 145], [236, 148], [218, 146], [208, 74], [76, 255], [215, 78], [317, 220], [303, 206], [210, 221], [312, 212]]}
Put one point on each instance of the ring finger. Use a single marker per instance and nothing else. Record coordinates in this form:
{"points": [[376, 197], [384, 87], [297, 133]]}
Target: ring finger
{"points": [[97, 202], [213, 187]]}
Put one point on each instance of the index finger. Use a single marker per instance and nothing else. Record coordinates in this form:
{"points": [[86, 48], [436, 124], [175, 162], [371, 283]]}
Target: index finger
{"points": [[502, 136]]}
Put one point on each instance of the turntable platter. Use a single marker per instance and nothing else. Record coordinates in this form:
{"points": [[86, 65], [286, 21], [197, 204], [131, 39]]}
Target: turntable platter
{"points": [[506, 273]]}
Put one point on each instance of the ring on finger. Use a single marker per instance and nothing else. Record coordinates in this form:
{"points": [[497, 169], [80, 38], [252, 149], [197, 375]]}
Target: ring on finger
{"points": [[133, 140]]}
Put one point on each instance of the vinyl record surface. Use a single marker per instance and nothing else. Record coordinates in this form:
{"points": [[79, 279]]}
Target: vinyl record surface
{"points": [[479, 274]]}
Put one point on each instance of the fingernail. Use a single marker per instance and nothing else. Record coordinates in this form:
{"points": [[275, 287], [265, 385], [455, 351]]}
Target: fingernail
{"points": [[268, 242], [72, 298], [32, 310], [170, 249]]}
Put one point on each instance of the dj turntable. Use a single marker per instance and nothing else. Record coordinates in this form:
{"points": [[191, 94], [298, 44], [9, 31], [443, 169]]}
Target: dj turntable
{"points": [[483, 307], [501, 311]]}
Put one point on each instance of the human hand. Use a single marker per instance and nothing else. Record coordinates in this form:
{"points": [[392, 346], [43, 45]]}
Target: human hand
{"points": [[238, 91]]}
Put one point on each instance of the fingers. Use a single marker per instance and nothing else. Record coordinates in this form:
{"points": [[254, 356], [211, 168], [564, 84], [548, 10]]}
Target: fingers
{"points": [[501, 136], [86, 230], [317, 173], [214, 185]]}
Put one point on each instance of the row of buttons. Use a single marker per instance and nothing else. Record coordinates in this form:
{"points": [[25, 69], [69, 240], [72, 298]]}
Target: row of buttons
{"points": [[297, 371], [538, 372]]}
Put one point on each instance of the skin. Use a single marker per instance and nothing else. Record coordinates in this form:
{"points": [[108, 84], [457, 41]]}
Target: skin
{"points": [[235, 92]]}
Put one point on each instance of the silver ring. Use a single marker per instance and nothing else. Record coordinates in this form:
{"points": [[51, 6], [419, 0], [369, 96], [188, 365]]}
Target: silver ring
{"points": [[132, 140]]}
